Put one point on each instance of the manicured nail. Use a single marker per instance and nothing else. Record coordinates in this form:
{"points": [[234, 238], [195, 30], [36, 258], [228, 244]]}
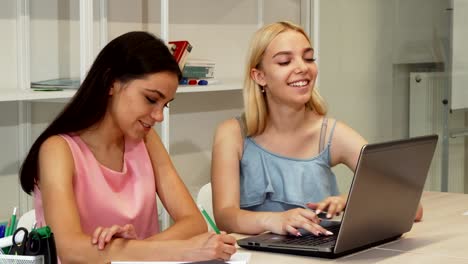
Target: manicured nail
{"points": [[317, 211], [328, 233], [298, 234], [329, 215]]}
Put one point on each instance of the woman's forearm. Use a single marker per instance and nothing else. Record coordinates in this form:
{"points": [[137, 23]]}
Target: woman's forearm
{"points": [[80, 250], [234, 220], [183, 229]]}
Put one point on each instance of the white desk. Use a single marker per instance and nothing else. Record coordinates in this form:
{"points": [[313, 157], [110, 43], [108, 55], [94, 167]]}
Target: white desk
{"points": [[442, 237]]}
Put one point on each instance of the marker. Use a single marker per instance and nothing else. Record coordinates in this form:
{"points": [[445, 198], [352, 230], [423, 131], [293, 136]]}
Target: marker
{"points": [[11, 224], [183, 81], [2, 230], [208, 218]]}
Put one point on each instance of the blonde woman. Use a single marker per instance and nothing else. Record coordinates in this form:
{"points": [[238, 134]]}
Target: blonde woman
{"points": [[272, 165]]}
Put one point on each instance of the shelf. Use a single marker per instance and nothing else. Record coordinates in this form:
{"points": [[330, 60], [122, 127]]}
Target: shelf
{"points": [[224, 85], [7, 95]]}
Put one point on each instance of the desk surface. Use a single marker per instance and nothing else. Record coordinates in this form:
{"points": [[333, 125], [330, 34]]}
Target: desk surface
{"points": [[442, 237]]}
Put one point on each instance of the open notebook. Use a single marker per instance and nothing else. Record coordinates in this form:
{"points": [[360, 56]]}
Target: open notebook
{"points": [[237, 258]]}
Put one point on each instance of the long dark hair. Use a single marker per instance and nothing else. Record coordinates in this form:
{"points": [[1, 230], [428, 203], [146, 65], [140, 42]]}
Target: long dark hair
{"points": [[129, 56]]}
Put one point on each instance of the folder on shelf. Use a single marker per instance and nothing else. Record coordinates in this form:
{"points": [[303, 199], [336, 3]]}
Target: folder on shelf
{"points": [[180, 49], [60, 83]]}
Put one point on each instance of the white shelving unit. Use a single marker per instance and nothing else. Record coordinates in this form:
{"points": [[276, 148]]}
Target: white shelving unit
{"points": [[97, 22], [31, 95]]}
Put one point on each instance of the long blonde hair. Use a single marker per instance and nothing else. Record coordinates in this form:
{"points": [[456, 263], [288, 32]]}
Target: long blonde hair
{"points": [[256, 111]]}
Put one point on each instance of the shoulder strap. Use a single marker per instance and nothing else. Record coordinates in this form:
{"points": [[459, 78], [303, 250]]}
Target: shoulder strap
{"points": [[323, 133], [331, 132], [243, 126]]}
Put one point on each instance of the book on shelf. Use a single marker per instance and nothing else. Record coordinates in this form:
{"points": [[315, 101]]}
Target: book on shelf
{"points": [[197, 72], [180, 49], [196, 68], [60, 83]]}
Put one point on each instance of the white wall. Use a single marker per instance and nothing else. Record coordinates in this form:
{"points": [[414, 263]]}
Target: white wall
{"points": [[8, 111], [8, 63], [54, 28], [356, 68], [460, 55], [367, 49], [9, 189], [194, 118]]}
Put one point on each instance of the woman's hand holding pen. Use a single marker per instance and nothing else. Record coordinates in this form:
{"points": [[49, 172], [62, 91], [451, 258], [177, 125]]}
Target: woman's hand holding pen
{"points": [[202, 247], [332, 206], [209, 246], [290, 221], [103, 235]]}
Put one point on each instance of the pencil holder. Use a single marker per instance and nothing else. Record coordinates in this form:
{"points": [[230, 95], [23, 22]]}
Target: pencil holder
{"points": [[47, 249], [8, 259]]}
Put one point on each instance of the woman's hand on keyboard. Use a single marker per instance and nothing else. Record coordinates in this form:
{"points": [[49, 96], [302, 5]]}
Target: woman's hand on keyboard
{"points": [[290, 221], [332, 205]]}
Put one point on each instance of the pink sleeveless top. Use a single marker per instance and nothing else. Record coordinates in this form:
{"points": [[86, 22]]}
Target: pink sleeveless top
{"points": [[105, 197]]}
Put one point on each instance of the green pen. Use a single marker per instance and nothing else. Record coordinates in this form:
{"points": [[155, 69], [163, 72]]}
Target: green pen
{"points": [[11, 228], [208, 218]]}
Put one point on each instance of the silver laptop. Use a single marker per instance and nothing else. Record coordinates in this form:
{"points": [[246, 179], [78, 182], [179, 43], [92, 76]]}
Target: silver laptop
{"points": [[381, 206]]}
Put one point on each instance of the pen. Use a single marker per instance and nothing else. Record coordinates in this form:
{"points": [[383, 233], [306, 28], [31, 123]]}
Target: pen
{"points": [[208, 218], [14, 223], [11, 224]]}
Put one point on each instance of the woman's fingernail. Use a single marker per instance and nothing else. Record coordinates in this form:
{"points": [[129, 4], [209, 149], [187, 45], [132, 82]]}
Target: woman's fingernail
{"points": [[329, 233], [329, 215], [298, 234], [317, 211]]}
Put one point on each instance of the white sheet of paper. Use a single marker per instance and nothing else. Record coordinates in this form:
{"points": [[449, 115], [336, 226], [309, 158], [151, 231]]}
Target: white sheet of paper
{"points": [[237, 258]]}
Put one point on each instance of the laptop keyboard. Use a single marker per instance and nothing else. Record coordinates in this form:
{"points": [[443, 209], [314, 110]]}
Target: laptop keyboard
{"points": [[311, 239]]}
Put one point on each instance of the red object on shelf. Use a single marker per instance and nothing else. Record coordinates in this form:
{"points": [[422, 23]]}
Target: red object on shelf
{"points": [[180, 50]]}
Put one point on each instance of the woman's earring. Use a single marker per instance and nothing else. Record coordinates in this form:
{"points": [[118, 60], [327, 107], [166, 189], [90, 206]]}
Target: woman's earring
{"points": [[262, 90]]}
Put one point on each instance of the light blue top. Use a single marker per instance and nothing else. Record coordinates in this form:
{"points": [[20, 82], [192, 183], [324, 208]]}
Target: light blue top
{"points": [[271, 182]]}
